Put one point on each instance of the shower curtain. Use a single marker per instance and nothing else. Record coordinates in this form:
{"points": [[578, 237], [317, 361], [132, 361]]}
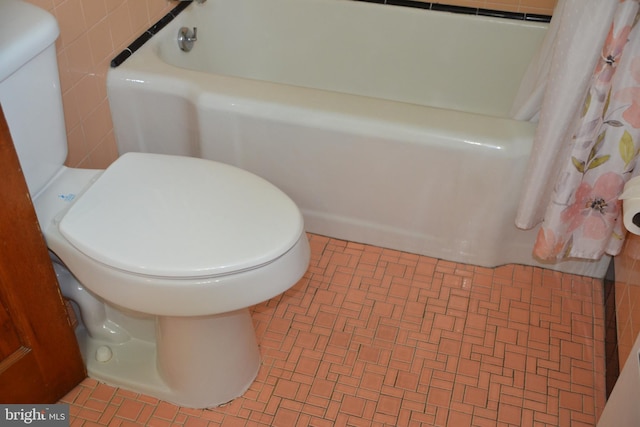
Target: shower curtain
{"points": [[583, 88]]}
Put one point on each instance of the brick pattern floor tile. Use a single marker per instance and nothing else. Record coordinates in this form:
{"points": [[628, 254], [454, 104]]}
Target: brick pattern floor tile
{"points": [[377, 337]]}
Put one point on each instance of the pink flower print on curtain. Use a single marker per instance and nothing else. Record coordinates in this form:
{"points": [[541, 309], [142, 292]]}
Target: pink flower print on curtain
{"points": [[611, 52], [596, 208], [584, 218]]}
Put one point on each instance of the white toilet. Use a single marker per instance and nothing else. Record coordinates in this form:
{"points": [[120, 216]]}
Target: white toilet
{"points": [[162, 255]]}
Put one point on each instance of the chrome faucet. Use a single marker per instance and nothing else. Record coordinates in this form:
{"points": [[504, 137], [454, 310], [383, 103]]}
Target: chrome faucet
{"points": [[186, 38]]}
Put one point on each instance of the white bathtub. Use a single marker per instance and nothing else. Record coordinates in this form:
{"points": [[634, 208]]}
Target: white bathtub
{"points": [[387, 125]]}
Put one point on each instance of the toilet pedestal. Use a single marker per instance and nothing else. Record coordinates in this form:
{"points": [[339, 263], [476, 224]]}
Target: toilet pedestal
{"points": [[207, 360], [198, 362]]}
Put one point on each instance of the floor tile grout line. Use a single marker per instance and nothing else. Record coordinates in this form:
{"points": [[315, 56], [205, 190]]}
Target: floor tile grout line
{"points": [[446, 287]]}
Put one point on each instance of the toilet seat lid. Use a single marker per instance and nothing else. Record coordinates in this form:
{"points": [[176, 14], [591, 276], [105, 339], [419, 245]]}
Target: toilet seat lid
{"points": [[171, 216]]}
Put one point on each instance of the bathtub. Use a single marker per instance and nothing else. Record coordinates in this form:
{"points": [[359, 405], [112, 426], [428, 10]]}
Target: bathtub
{"points": [[387, 125]]}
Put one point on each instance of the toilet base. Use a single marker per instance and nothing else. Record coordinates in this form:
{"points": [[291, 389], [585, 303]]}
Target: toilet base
{"points": [[196, 362]]}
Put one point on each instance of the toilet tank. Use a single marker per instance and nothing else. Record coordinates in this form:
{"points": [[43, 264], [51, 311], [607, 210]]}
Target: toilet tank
{"points": [[30, 93]]}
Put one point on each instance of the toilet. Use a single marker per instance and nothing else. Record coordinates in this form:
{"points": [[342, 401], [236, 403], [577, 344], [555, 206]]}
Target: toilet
{"points": [[161, 256]]}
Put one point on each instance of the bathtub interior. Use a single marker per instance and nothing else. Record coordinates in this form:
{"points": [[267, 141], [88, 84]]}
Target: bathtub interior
{"points": [[402, 54], [440, 180]]}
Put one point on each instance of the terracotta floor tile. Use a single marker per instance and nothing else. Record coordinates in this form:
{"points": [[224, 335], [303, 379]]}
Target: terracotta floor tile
{"points": [[378, 337], [353, 405]]}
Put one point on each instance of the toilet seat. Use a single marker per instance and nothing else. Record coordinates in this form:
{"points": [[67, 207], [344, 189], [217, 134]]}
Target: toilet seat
{"points": [[181, 218]]}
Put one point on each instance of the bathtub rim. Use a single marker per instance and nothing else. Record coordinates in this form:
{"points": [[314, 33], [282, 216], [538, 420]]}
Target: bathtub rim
{"points": [[250, 96]]}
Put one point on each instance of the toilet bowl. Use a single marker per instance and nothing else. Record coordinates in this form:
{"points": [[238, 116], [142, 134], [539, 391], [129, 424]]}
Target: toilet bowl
{"points": [[180, 247], [161, 255]]}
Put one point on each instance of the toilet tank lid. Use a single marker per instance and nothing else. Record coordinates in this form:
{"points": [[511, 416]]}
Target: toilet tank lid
{"points": [[181, 217], [25, 31]]}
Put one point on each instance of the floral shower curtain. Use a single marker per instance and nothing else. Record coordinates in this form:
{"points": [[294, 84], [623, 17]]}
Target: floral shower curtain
{"points": [[588, 137]]}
